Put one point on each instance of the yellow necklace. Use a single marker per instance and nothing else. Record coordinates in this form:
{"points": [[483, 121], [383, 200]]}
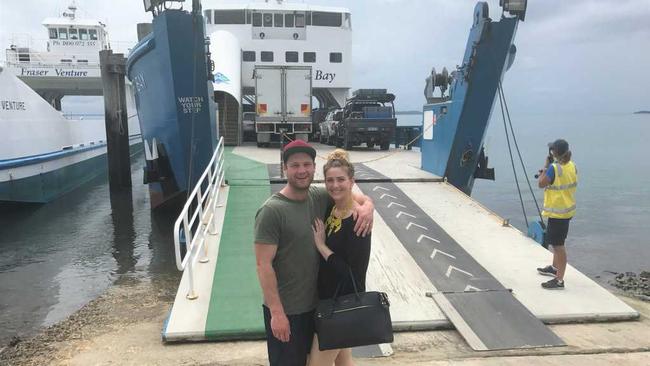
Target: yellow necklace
{"points": [[333, 222]]}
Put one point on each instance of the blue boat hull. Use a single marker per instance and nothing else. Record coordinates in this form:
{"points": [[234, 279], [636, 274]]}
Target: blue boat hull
{"points": [[168, 69], [48, 186]]}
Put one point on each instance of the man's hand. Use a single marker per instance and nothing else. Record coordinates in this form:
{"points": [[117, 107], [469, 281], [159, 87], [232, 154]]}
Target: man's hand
{"points": [[280, 326], [548, 161], [363, 214]]}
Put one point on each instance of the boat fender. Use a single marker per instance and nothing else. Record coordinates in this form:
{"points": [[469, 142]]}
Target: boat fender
{"points": [[537, 231]]}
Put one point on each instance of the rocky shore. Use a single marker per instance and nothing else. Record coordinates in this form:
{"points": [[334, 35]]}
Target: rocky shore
{"points": [[129, 302], [637, 285]]}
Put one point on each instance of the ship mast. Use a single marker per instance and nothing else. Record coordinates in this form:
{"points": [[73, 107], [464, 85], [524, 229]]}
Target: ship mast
{"points": [[73, 10]]}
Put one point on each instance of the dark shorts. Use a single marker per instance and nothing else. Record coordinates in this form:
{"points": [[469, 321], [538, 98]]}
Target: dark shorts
{"points": [[296, 350], [556, 231]]}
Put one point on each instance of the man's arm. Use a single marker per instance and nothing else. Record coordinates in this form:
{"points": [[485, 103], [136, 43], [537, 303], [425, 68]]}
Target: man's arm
{"points": [[363, 214], [264, 254]]}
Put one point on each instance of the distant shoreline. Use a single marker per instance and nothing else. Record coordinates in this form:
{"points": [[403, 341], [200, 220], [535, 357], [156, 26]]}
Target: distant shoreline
{"points": [[642, 112]]}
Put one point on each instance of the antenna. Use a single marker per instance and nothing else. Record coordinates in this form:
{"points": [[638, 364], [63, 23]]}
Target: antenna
{"points": [[73, 9]]}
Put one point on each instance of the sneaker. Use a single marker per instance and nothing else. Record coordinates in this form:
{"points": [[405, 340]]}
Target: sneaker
{"points": [[553, 284], [548, 271]]}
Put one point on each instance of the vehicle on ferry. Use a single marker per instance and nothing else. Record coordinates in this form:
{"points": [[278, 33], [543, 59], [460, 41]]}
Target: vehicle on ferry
{"points": [[368, 117], [328, 126], [43, 153], [283, 100], [244, 37]]}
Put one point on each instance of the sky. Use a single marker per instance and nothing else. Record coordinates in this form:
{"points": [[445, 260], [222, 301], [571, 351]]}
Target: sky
{"points": [[581, 56]]}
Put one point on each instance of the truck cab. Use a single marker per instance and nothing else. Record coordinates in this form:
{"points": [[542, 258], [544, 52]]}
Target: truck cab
{"points": [[368, 117]]}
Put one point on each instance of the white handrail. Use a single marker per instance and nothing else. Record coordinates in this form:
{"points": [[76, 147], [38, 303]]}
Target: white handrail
{"points": [[201, 206]]}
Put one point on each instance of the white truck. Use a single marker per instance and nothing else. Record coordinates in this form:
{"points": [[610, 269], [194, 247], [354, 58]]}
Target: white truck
{"points": [[282, 103]]}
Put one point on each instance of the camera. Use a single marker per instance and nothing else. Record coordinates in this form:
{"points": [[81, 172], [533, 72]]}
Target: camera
{"points": [[549, 161]]}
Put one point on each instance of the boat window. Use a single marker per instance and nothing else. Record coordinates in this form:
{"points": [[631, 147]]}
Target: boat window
{"points": [[309, 57], [73, 33], [83, 34], [324, 19], [229, 17], [66, 61], [266, 56], [268, 19], [53, 33], [248, 17], [257, 19], [208, 16], [288, 20], [336, 57], [93, 34], [300, 20], [277, 20], [308, 18], [82, 61], [248, 56], [291, 56], [63, 33]]}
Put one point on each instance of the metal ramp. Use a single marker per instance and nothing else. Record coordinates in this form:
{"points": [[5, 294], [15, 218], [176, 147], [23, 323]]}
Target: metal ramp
{"points": [[476, 303]]}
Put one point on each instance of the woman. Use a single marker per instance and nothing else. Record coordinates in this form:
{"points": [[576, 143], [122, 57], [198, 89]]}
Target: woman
{"points": [[340, 248]]}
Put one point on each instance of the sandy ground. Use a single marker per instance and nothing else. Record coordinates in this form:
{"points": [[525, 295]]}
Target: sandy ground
{"points": [[123, 327]]}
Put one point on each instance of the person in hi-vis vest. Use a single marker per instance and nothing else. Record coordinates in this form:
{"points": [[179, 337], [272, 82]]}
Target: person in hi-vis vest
{"points": [[559, 178]]}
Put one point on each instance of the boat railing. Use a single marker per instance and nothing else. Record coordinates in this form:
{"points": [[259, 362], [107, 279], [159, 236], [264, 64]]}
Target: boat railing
{"points": [[29, 57], [196, 220]]}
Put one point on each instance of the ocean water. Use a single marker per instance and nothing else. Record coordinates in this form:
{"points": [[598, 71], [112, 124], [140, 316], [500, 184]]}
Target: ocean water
{"points": [[54, 258], [611, 231]]}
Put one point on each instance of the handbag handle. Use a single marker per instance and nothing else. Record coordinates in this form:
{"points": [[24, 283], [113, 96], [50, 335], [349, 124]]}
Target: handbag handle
{"points": [[354, 285]]}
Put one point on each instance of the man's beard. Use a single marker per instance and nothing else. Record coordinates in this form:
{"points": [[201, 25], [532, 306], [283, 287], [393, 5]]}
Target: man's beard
{"points": [[297, 186]]}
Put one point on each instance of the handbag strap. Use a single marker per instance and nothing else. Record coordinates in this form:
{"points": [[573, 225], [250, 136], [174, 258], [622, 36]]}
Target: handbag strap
{"points": [[354, 285]]}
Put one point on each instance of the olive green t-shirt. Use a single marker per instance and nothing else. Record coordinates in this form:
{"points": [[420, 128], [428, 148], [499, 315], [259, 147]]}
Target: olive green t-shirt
{"points": [[288, 224]]}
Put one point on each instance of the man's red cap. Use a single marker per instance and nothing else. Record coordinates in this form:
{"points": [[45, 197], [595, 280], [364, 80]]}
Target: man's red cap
{"points": [[297, 146]]}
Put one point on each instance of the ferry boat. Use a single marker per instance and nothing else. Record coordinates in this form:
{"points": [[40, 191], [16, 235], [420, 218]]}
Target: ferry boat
{"points": [[247, 37], [43, 153], [241, 38]]}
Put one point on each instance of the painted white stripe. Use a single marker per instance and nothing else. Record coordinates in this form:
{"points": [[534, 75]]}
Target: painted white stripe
{"points": [[404, 213], [428, 237], [436, 251], [453, 268], [414, 224], [396, 204]]}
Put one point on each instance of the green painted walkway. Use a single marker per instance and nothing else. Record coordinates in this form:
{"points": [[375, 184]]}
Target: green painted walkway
{"points": [[236, 303]]}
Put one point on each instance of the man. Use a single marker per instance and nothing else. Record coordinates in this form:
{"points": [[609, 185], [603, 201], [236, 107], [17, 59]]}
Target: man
{"points": [[287, 259], [559, 179]]}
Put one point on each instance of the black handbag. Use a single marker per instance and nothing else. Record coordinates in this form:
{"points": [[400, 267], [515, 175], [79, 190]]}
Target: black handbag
{"points": [[353, 320]]}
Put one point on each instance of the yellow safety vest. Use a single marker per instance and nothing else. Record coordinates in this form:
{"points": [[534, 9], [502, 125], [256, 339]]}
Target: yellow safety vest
{"points": [[559, 197]]}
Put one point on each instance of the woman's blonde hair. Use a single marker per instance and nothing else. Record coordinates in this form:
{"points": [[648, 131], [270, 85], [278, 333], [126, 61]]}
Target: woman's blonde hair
{"points": [[339, 158]]}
